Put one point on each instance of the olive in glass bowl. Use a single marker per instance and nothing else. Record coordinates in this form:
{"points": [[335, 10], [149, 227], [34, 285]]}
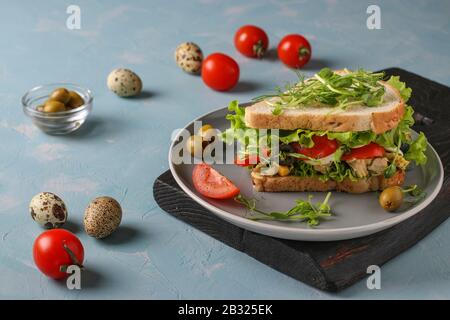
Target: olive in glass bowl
{"points": [[58, 108]]}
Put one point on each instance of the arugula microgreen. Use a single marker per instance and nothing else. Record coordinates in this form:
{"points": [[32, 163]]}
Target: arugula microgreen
{"points": [[329, 88], [304, 210], [416, 192], [392, 168]]}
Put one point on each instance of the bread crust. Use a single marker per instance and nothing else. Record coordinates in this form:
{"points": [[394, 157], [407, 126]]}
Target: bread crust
{"points": [[378, 120], [299, 184]]}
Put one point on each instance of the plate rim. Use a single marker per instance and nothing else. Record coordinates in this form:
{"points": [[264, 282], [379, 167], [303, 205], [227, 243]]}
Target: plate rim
{"points": [[270, 229]]}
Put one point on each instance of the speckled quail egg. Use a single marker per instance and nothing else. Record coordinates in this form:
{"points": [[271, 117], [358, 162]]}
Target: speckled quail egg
{"points": [[48, 210], [189, 57], [124, 82], [102, 217]]}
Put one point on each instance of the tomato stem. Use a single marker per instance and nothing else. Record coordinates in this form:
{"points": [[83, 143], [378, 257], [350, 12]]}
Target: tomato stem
{"points": [[303, 52], [74, 259], [258, 49]]}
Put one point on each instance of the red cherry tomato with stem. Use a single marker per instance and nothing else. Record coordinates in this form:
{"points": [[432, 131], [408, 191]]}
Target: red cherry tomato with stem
{"points": [[322, 147], [220, 72], [372, 150], [294, 50], [54, 250], [251, 41], [212, 184]]}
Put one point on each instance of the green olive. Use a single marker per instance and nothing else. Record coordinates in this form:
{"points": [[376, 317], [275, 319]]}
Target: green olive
{"points": [[195, 146], [391, 198], [206, 132], [54, 106], [75, 100], [61, 94]]}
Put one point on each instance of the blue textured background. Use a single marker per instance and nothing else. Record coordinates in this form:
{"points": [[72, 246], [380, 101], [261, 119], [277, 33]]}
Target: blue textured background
{"points": [[123, 147]]}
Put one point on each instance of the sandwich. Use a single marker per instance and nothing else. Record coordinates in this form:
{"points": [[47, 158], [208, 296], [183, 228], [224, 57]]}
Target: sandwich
{"points": [[340, 130]]}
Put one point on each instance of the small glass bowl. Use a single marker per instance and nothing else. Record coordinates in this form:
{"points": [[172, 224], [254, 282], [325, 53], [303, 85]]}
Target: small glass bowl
{"points": [[58, 123]]}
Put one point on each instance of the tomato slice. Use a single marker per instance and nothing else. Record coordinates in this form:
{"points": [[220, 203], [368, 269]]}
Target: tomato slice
{"points": [[322, 147], [252, 159], [212, 184], [249, 160], [372, 150]]}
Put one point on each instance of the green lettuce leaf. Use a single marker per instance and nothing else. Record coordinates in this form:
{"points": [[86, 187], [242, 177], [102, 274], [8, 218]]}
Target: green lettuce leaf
{"points": [[237, 122], [302, 169], [390, 138], [404, 127], [350, 139], [405, 92], [353, 139], [304, 137], [387, 139], [337, 171], [416, 151]]}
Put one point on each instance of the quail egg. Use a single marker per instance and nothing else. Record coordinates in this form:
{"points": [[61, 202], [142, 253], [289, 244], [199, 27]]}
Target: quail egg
{"points": [[102, 217], [124, 82], [48, 210], [189, 57]]}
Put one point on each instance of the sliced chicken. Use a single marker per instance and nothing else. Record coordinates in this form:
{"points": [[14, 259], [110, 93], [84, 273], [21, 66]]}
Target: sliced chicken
{"points": [[359, 167], [378, 166]]}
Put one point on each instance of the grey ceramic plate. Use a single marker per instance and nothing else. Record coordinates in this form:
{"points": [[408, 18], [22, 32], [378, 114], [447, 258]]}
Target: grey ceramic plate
{"points": [[355, 215]]}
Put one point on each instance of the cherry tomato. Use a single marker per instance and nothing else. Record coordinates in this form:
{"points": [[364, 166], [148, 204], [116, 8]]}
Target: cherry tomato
{"points": [[56, 249], [294, 50], [322, 147], [212, 184], [251, 41], [372, 150], [220, 72]]}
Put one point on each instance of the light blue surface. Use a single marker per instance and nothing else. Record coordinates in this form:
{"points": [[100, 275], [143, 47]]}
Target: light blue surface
{"points": [[123, 146]]}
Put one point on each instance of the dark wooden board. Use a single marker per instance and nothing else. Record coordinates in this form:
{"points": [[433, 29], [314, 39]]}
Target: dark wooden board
{"points": [[335, 265]]}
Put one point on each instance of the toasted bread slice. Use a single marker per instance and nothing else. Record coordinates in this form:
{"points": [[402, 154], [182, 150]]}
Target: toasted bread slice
{"points": [[321, 117], [295, 184]]}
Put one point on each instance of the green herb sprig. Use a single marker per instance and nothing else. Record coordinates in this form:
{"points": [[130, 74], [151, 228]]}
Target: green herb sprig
{"points": [[392, 168], [417, 194], [304, 211], [326, 87]]}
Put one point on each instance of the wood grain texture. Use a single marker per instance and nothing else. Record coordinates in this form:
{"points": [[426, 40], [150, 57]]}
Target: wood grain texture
{"points": [[332, 266]]}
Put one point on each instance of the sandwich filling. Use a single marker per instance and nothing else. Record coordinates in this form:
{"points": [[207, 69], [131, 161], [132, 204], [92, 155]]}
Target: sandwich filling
{"points": [[326, 154]]}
